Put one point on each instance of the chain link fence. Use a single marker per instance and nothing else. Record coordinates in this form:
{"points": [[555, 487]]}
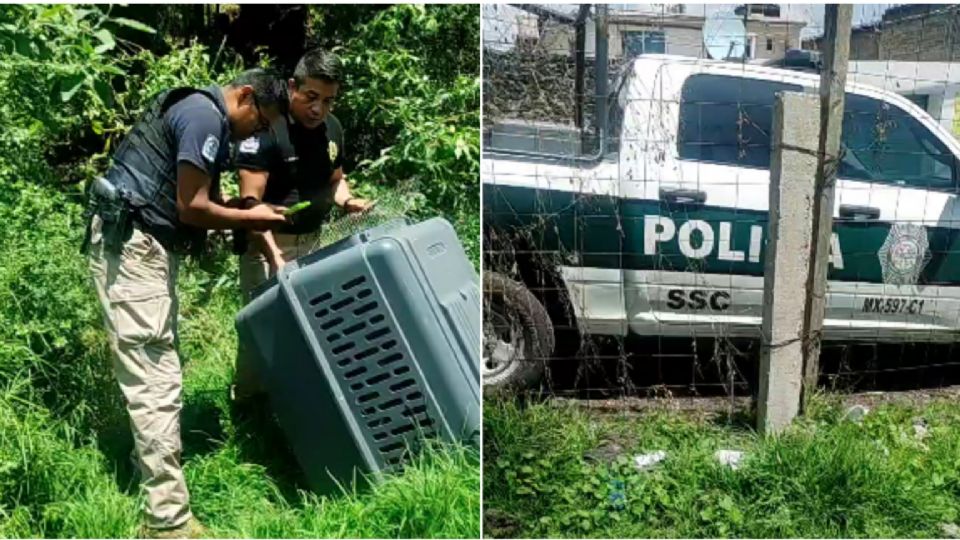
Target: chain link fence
{"points": [[624, 251]]}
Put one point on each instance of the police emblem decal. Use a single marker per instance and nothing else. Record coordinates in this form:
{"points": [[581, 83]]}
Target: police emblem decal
{"points": [[210, 147], [332, 151], [904, 254]]}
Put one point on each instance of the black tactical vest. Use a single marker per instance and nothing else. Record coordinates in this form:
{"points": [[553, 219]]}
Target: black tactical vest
{"points": [[145, 165]]}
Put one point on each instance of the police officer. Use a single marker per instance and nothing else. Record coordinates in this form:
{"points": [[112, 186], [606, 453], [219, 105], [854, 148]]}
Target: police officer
{"points": [[306, 168], [156, 202], [303, 163]]}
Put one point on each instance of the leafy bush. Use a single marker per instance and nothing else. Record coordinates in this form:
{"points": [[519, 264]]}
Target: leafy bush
{"points": [[411, 109], [70, 86], [59, 67]]}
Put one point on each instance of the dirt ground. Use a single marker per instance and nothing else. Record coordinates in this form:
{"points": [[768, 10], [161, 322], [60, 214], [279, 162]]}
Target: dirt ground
{"points": [[707, 407]]}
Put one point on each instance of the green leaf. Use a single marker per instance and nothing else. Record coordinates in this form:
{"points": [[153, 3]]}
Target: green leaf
{"points": [[130, 23], [113, 70], [70, 84], [23, 45], [106, 41], [104, 92]]}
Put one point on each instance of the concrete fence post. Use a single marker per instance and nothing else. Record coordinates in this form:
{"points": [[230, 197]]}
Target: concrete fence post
{"points": [[793, 170], [833, 81]]}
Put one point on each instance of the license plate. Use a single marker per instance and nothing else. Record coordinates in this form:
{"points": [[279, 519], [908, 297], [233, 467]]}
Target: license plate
{"points": [[886, 304]]}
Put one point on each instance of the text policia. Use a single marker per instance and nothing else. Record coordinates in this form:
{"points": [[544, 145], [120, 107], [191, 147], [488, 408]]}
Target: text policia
{"points": [[662, 229]]}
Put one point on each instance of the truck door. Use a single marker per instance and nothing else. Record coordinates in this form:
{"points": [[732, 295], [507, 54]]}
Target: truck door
{"points": [[898, 219], [700, 250]]}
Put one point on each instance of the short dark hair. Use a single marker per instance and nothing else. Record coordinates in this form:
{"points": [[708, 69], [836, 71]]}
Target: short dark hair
{"points": [[268, 87], [317, 64]]}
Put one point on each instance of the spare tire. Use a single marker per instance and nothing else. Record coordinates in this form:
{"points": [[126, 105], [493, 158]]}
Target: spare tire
{"points": [[517, 336]]}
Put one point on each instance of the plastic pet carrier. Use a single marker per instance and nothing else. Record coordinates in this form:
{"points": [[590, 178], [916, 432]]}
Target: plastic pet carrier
{"points": [[368, 346]]}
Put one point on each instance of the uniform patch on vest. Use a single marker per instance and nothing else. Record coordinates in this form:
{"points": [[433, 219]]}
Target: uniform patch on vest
{"points": [[210, 147], [250, 146], [332, 151]]}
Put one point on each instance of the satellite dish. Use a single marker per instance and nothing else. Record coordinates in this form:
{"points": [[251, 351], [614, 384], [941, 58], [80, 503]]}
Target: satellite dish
{"points": [[725, 36]]}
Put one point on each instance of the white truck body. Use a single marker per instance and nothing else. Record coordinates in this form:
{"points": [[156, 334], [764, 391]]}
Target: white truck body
{"points": [[642, 253]]}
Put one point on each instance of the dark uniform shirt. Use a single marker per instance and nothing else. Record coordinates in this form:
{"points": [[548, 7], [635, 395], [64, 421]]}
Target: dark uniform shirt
{"points": [[301, 175], [202, 135], [193, 130]]}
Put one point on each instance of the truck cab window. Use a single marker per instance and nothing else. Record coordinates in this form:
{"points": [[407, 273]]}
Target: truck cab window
{"points": [[891, 146], [728, 120]]}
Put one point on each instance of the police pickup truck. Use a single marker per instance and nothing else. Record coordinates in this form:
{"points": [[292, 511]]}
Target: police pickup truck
{"points": [[660, 230]]}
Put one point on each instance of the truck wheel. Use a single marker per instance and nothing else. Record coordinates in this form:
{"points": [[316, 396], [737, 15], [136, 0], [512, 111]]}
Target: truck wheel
{"points": [[517, 336]]}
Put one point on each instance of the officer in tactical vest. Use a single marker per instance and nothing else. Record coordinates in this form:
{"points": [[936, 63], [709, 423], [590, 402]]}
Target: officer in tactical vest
{"points": [[157, 201]]}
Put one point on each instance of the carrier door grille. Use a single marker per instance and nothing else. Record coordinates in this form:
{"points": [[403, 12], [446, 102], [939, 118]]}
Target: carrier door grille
{"points": [[374, 369]]}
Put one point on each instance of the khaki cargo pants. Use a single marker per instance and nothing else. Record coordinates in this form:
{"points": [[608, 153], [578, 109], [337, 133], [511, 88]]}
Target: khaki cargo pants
{"points": [[137, 290], [254, 270]]}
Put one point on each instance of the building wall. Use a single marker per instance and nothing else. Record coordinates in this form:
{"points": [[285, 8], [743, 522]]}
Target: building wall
{"points": [[940, 81], [559, 39], [924, 37], [677, 40], [682, 40], [865, 45], [785, 35], [932, 37]]}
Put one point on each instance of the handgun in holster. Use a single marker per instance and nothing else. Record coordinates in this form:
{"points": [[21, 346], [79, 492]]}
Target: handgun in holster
{"points": [[113, 206]]}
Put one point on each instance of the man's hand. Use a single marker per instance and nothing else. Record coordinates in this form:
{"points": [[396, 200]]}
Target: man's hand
{"points": [[195, 208], [355, 205], [263, 217], [276, 263]]}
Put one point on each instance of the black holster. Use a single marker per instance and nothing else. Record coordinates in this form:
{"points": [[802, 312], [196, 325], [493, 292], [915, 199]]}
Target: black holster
{"points": [[116, 215]]}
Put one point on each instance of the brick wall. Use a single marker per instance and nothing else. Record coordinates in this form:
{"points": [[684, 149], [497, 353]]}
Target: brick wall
{"points": [[924, 37], [865, 45], [928, 37]]}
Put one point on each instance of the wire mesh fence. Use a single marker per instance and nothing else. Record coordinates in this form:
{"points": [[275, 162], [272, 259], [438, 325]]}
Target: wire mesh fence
{"points": [[399, 203], [626, 187]]}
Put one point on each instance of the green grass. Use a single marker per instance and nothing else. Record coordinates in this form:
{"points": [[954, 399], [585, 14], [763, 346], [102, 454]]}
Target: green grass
{"points": [[825, 477], [64, 436]]}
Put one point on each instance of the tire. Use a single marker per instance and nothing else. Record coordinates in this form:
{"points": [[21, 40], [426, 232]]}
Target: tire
{"points": [[517, 336]]}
